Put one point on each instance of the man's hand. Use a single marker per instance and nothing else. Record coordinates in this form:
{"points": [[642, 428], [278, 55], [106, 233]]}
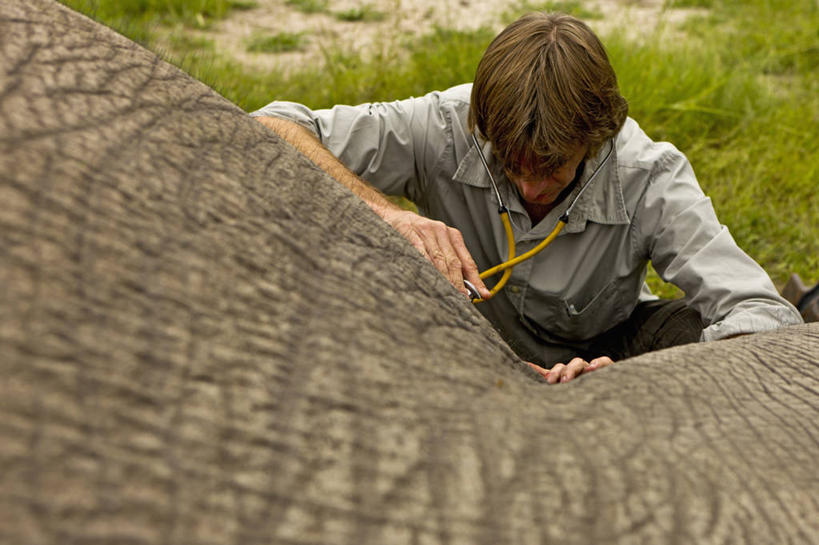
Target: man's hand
{"points": [[564, 373], [442, 245]]}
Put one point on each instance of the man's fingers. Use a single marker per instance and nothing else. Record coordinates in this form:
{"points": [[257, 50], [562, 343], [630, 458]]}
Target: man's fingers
{"points": [[450, 262], [597, 363], [448, 253], [468, 268], [443, 246], [564, 373], [555, 373], [575, 367], [427, 237], [418, 243], [538, 369]]}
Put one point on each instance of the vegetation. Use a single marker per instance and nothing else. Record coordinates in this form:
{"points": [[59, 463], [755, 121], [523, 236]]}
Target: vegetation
{"points": [[366, 13], [737, 90], [276, 43], [309, 6], [572, 7], [137, 18]]}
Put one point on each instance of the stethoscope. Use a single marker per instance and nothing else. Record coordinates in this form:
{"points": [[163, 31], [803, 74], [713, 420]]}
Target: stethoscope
{"points": [[503, 211]]}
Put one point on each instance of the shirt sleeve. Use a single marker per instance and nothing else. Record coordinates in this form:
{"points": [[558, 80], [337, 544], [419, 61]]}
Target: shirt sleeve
{"points": [[391, 145], [689, 248]]}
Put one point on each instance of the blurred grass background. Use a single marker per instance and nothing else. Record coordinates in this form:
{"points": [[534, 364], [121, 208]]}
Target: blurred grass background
{"points": [[737, 91]]}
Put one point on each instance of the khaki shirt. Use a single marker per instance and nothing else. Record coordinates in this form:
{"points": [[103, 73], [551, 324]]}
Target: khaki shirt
{"points": [[645, 205]]}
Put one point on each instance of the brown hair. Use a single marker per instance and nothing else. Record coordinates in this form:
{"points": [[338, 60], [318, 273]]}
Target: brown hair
{"points": [[543, 87]]}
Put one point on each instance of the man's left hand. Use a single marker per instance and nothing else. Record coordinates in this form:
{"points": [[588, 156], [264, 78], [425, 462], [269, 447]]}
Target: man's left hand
{"points": [[562, 372]]}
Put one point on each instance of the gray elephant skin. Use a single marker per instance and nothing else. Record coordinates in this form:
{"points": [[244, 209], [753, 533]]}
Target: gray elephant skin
{"points": [[204, 340]]}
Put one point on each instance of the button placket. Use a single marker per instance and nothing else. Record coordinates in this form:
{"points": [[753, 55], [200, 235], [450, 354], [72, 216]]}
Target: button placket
{"points": [[519, 281]]}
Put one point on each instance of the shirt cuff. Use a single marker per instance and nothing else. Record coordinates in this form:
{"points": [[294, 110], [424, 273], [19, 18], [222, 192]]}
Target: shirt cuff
{"points": [[291, 112], [752, 321]]}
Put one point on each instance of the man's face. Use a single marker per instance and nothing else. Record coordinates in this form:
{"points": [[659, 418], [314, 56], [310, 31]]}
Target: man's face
{"points": [[543, 190]]}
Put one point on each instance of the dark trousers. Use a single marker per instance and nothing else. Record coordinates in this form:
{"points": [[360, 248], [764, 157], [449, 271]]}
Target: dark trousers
{"points": [[653, 325]]}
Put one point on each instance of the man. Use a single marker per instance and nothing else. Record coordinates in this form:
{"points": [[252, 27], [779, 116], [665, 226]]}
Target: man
{"points": [[549, 120]]}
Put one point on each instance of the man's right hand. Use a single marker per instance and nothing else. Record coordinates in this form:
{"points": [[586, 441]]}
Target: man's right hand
{"points": [[442, 245]]}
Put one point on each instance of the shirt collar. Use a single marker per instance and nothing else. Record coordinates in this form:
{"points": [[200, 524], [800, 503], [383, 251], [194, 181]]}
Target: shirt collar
{"points": [[601, 203], [470, 170]]}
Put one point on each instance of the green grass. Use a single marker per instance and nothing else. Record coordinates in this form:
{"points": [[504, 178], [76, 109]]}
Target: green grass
{"points": [[690, 3], [309, 6], [740, 98], [276, 43], [742, 102], [571, 7], [366, 13], [184, 43], [137, 17]]}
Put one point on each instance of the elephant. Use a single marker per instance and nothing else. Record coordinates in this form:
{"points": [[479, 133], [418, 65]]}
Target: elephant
{"points": [[205, 339]]}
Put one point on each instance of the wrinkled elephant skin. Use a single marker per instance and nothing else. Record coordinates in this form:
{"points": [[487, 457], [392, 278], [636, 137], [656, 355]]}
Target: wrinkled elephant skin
{"points": [[205, 340]]}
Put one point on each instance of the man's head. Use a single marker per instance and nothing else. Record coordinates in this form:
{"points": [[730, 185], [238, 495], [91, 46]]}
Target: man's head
{"points": [[543, 93]]}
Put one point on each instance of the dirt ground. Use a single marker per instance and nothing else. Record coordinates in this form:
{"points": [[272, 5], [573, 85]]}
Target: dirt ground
{"points": [[324, 31]]}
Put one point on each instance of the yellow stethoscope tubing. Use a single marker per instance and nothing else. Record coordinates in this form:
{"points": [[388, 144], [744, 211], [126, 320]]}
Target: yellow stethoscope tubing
{"points": [[511, 260], [507, 271]]}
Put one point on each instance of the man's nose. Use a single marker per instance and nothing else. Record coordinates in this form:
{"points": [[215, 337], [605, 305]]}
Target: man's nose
{"points": [[532, 189]]}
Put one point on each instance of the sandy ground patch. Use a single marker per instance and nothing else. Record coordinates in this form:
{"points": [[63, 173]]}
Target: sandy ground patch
{"points": [[323, 31]]}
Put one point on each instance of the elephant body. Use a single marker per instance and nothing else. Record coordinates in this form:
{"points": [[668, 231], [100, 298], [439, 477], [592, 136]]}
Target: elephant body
{"points": [[204, 339]]}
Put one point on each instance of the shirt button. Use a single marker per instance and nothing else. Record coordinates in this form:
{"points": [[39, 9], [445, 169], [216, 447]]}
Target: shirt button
{"points": [[514, 289]]}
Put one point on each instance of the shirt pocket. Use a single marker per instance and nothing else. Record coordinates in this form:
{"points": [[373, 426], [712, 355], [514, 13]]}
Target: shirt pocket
{"points": [[548, 315]]}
